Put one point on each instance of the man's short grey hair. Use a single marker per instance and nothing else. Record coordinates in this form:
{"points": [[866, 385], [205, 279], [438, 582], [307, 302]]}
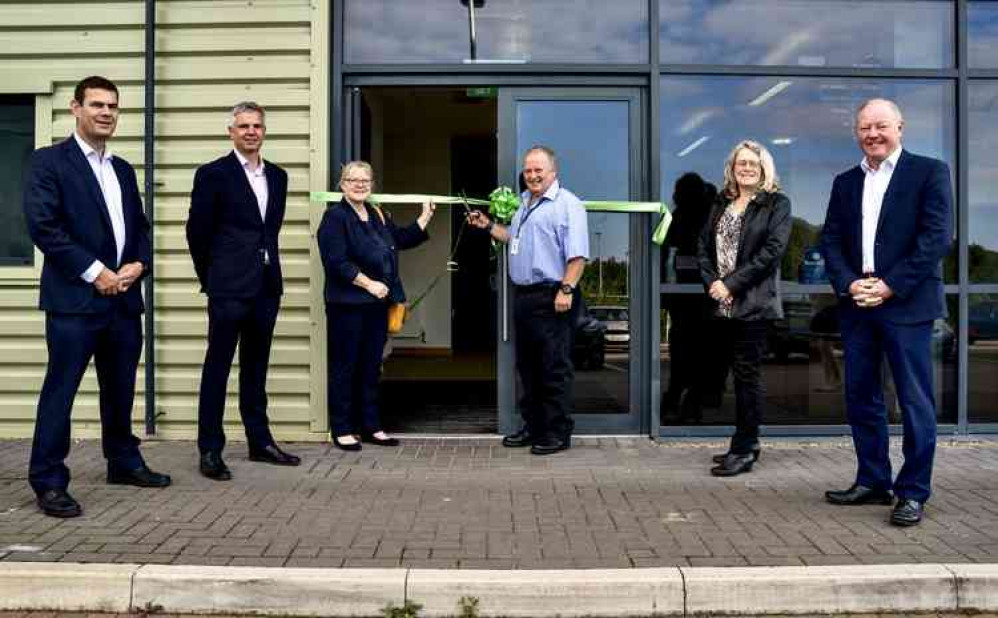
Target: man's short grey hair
{"points": [[246, 106], [549, 152], [894, 107]]}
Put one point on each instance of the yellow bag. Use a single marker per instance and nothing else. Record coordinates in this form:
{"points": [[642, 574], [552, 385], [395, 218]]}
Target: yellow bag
{"points": [[396, 311], [396, 317]]}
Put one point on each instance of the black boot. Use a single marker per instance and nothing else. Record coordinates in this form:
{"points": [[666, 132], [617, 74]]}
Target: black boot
{"points": [[733, 465]]}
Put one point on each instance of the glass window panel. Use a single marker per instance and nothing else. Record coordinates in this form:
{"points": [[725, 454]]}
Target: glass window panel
{"points": [[982, 34], [983, 189], [807, 124], [802, 370], [982, 339], [832, 33], [17, 140], [602, 344], [508, 31]]}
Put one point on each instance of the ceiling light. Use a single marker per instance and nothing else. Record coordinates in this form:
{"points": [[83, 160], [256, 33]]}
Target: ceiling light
{"points": [[693, 146], [769, 94]]}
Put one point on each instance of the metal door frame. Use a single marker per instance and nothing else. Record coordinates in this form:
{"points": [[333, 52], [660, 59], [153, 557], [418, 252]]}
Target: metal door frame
{"points": [[644, 337]]}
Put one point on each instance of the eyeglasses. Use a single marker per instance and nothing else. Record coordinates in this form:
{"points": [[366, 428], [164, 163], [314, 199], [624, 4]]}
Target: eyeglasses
{"points": [[361, 182]]}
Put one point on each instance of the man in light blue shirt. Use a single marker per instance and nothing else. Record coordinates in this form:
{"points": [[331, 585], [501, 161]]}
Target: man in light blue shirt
{"points": [[548, 242]]}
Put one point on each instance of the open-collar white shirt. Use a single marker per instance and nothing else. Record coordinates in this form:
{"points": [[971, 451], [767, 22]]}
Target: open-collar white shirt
{"points": [[258, 182], [875, 186], [110, 188]]}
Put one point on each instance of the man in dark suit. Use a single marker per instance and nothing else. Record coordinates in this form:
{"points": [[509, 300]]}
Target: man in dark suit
{"points": [[84, 214], [888, 227], [237, 208]]}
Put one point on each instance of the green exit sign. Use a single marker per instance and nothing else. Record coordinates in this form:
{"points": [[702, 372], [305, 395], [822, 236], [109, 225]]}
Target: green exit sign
{"points": [[483, 92]]}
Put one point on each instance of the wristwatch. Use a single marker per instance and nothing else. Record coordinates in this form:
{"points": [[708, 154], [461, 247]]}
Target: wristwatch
{"points": [[566, 288]]}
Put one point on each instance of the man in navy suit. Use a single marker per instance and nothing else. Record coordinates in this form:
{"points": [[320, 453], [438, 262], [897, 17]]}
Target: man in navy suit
{"points": [[888, 227], [84, 214], [237, 208]]}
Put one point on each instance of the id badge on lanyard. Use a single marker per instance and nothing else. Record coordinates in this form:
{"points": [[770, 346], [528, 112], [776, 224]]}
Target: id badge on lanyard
{"points": [[514, 243]]}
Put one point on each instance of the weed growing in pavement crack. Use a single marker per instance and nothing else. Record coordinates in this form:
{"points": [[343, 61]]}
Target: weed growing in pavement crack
{"points": [[408, 610], [468, 607], [150, 608]]}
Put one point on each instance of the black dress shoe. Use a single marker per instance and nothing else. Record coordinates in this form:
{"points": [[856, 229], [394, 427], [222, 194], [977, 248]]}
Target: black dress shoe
{"points": [[860, 494], [550, 447], [139, 477], [354, 446], [719, 458], [212, 466], [58, 503], [733, 465], [907, 512], [370, 438], [519, 439], [272, 454]]}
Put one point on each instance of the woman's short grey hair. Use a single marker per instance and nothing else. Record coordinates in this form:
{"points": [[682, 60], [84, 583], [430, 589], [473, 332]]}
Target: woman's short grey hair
{"points": [[246, 106], [350, 166]]}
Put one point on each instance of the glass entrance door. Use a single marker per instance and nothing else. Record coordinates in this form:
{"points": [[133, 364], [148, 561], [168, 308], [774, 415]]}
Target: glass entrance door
{"points": [[596, 136]]}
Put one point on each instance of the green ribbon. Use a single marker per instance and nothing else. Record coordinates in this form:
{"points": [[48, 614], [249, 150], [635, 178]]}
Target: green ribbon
{"points": [[407, 198], [658, 236]]}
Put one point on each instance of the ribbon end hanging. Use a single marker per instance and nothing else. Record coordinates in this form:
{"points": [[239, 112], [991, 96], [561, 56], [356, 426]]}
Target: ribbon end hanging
{"points": [[662, 229]]}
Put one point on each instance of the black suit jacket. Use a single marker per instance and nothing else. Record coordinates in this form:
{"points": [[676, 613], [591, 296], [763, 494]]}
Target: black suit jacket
{"points": [[914, 233], [226, 235], [349, 246], [68, 221]]}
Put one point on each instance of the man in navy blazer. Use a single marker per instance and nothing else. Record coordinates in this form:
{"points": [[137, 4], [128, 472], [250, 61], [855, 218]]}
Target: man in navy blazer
{"points": [[84, 214], [237, 208], [888, 227]]}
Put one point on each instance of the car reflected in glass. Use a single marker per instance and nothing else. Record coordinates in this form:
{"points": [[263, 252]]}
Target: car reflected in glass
{"points": [[617, 321]]}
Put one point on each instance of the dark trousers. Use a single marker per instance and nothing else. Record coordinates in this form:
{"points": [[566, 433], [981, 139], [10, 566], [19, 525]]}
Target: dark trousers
{"points": [[742, 344], [248, 322], [355, 340], [114, 340], [867, 338], [544, 361]]}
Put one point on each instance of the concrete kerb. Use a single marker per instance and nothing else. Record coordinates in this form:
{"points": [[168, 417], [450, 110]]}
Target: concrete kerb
{"points": [[537, 594], [66, 587]]}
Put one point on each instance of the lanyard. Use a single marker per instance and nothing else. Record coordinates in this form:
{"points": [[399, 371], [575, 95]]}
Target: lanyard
{"points": [[526, 215]]}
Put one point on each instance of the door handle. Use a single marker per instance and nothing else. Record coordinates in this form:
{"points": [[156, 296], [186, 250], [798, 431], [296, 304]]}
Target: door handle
{"points": [[505, 298]]}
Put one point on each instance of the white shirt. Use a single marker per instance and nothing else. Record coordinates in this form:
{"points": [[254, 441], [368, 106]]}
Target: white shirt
{"points": [[110, 188], [874, 187], [258, 182]]}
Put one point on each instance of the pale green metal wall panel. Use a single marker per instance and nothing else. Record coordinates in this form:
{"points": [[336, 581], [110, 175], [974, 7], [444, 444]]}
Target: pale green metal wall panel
{"points": [[209, 56]]}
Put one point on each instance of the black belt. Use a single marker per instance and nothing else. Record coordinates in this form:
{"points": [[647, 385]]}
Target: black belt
{"points": [[534, 288]]}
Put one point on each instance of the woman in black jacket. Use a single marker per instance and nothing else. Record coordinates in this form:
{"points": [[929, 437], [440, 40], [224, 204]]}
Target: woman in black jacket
{"points": [[740, 252], [359, 245]]}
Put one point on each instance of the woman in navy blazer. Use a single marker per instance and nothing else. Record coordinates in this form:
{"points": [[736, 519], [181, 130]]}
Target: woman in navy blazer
{"points": [[359, 245]]}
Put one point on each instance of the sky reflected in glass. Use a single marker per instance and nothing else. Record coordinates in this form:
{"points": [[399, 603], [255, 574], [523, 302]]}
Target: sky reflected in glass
{"points": [[819, 33], [508, 31], [983, 190], [592, 142], [982, 37]]}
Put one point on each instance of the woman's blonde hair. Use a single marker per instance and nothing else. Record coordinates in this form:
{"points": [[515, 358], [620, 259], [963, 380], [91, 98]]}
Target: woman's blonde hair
{"points": [[350, 166], [769, 181]]}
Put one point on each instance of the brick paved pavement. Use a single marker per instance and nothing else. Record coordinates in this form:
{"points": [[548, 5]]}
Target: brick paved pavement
{"points": [[472, 504], [95, 615]]}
